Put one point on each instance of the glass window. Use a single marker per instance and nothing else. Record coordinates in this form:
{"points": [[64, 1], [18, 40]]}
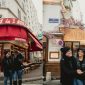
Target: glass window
{"points": [[19, 14]]}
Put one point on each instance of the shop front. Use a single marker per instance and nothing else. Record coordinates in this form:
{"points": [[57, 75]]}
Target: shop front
{"points": [[71, 37], [74, 38], [14, 35], [51, 52]]}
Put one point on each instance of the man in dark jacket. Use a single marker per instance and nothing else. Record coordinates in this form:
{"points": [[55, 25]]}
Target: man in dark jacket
{"points": [[17, 68], [68, 66], [7, 67]]}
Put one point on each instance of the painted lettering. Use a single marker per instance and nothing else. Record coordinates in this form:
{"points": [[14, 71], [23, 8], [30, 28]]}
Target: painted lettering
{"points": [[7, 21], [1, 21]]}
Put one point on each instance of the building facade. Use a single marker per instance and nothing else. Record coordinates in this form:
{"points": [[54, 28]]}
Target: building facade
{"points": [[25, 11], [56, 14], [22, 9]]}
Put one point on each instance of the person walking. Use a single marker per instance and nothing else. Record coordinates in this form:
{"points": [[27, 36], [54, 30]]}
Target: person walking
{"points": [[18, 66], [68, 66], [7, 68], [80, 78]]}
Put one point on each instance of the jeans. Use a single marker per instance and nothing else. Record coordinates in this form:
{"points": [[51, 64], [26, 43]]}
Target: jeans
{"points": [[6, 78], [17, 74], [78, 82]]}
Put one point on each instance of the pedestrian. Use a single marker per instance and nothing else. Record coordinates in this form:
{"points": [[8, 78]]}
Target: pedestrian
{"points": [[7, 68], [80, 78], [68, 66], [17, 68]]}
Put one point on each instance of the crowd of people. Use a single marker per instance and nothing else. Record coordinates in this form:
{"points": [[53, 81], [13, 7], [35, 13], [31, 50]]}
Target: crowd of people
{"points": [[72, 68], [12, 65]]}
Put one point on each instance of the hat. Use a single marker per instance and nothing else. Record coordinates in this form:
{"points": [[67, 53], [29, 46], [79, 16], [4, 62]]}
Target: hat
{"points": [[64, 50]]}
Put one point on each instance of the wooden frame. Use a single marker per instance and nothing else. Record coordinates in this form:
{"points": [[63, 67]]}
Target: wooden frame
{"points": [[54, 55], [68, 44], [76, 44], [72, 43]]}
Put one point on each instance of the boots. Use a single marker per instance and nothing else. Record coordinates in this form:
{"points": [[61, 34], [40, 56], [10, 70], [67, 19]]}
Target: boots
{"points": [[20, 82], [14, 82]]}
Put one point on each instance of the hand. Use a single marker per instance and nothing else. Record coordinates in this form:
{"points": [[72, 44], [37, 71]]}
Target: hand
{"points": [[79, 71]]}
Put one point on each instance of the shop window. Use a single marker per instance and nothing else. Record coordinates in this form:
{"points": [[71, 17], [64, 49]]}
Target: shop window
{"points": [[68, 44], [74, 45]]}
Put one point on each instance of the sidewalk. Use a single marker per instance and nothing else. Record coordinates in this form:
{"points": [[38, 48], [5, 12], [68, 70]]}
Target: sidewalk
{"points": [[34, 76], [52, 82], [34, 73]]}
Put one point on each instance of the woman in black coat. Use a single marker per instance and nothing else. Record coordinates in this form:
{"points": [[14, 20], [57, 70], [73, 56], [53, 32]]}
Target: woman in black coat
{"points": [[7, 67], [68, 66], [80, 78]]}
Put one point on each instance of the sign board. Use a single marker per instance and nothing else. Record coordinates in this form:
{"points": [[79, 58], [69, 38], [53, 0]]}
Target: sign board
{"points": [[40, 36], [53, 20], [13, 21]]}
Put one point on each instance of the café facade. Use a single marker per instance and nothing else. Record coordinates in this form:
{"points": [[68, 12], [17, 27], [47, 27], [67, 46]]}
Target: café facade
{"points": [[15, 35], [71, 37]]}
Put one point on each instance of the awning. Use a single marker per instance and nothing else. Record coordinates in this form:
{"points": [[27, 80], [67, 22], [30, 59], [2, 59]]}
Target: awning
{"points": [[8, 32], [15, 29], [36, 46]]}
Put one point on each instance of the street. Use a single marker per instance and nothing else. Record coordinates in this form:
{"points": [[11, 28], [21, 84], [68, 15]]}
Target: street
{"points": [[33, 77]]}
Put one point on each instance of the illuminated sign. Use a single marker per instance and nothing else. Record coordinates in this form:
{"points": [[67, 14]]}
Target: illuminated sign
{"points": [[13, 21]]}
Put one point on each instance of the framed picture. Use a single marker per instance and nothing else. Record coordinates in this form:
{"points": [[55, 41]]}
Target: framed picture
{"points": [[54, 55]]}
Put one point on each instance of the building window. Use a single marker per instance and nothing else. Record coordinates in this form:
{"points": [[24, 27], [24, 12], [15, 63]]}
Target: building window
{"points": [[0, 16], [24, 19], [0, 4], [23, 5], [19, 14], [29, 23], [3, 2]]}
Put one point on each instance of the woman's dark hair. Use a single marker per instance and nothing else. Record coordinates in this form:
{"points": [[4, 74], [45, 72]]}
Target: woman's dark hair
{"points": [[83, 50]]}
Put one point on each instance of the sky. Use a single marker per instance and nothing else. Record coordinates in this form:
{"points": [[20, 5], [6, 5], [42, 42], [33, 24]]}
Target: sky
{"points": [[39, 7]]}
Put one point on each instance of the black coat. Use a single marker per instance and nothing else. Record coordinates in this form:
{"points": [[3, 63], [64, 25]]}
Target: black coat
{"points": [[17, 62], [68, 70], [7, 66], [81, 66]]}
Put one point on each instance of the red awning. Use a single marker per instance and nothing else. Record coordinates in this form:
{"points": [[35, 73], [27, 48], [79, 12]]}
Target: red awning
{"points": [[14, 29], [8, 32], [37, 46]]}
